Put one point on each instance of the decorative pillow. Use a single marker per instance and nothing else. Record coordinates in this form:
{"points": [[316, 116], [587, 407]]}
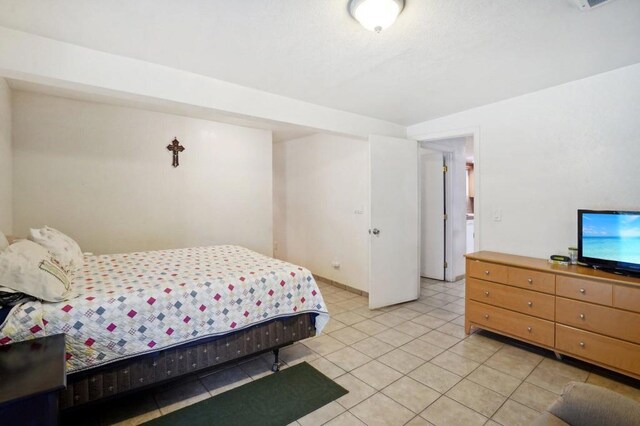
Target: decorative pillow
{"points": [[63, 248], [26, 267], [4, 243]]}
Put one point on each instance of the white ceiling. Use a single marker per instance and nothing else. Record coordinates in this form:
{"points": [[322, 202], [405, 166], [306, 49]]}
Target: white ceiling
{"points": [[440, 57]]}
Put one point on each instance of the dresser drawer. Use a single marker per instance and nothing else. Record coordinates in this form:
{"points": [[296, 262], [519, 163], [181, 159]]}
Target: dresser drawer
{"points": [[511, 323], [532, 280], [504, 296], [585, 290], [594, 347], [599, 319], [626, 298], [487, 271]]}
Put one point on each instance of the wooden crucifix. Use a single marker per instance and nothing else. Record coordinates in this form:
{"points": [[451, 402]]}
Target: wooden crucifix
{"points": [[176, 148]]}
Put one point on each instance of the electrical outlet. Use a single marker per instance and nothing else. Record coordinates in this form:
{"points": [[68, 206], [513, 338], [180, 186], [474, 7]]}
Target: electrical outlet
{"points": [[335, 264]]}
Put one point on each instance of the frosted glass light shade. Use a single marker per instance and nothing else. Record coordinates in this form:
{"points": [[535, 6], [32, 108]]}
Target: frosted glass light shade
{"points": [[376, 15]]}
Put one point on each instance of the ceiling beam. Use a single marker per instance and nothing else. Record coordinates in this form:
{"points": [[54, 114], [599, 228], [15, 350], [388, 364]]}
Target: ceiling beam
{"points": [[40, 60]]}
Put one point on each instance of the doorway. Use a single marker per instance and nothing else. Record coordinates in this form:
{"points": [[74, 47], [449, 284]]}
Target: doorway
{"points": [[394, 213], [454, 236], [433, 214]]}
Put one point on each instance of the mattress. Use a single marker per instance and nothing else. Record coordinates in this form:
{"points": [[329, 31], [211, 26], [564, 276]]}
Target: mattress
{"points": [[135, 303]]}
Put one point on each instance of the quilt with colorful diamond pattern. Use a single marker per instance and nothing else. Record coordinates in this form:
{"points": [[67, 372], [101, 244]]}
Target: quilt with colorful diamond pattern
{"points": [[129, 304]]}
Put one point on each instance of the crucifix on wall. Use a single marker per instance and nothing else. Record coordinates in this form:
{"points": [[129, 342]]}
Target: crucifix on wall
{"points": [[176, 148]]}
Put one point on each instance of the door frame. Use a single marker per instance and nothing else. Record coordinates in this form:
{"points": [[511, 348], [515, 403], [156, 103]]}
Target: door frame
{"points": [[431, 141]]}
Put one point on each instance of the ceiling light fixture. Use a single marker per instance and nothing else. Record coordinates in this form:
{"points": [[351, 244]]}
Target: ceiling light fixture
{"points": [[375, 15]]}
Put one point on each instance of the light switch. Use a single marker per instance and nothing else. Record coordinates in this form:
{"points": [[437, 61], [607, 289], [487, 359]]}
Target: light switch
{"points": [[497, 215]]}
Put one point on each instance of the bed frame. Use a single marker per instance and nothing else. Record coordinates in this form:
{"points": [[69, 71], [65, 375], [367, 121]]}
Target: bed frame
{"points": [[148, 370]]}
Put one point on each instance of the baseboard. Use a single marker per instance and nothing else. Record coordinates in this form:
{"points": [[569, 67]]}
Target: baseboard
{"points": [[341, 285]]}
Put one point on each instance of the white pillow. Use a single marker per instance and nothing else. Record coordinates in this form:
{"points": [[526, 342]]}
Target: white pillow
{"points": [[4, 243], [63, 248], [28, 268]]}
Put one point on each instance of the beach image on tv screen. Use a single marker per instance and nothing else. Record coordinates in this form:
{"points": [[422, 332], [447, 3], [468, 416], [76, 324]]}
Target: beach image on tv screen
{"points": [[611, 236]]}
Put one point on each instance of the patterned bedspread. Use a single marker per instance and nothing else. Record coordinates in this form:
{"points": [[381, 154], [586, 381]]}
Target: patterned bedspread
{"points": [[128, 304]]}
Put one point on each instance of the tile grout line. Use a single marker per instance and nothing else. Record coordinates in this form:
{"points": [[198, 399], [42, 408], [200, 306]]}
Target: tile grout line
{"points": [[512, 392]]}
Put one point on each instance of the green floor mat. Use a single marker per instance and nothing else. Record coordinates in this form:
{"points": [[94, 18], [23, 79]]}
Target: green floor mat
{"points": [[277, 399]]}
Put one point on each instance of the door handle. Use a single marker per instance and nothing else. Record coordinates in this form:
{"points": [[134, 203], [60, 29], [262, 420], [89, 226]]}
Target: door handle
{"points": [[374, 231]]}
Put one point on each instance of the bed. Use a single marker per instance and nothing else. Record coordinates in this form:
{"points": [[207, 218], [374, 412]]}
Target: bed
{"points": [[139, 319]]}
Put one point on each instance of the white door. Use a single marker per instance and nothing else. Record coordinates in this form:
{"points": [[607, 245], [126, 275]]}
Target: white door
{"points": [[394, 247], [432, 215]]}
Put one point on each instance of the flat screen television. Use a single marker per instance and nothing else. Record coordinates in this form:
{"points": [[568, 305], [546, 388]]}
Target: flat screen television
{"points": [[610, 240]]}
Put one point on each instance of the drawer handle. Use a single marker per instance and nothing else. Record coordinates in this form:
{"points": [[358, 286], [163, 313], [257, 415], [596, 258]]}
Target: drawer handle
{"points": [[486, 272], [530, 280], [581, 316], [529, 329], [486, 316], [486, 293], [530, 303], [583, 291], [582, 344]]}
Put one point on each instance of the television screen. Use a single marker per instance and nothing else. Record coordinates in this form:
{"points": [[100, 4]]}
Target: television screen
{"points": [[609, 238]]}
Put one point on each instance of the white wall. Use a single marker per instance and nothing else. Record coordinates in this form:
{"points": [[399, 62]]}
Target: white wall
{"points": [[319, 183], [6, 174], [546, 154], [103, 174]]}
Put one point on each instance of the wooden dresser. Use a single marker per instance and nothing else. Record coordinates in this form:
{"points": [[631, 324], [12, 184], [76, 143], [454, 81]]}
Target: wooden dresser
{"points": [[572, 310]]}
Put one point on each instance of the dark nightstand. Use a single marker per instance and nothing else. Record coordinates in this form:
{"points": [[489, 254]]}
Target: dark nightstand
{"points": [[32, 373]]}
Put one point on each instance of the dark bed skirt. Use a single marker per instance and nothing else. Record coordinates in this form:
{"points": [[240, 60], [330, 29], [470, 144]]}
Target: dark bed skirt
{"points": [[151, 369]]}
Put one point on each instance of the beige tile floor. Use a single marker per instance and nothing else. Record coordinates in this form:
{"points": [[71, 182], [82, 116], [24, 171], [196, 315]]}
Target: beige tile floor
{"points": [[410, 364]]}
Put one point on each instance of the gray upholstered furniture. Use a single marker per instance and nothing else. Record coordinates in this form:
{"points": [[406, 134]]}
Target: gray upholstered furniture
{"points": [[582, 404]]}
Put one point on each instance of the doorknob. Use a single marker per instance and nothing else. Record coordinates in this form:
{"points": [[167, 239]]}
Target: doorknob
{"points": [[375, 231]]}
